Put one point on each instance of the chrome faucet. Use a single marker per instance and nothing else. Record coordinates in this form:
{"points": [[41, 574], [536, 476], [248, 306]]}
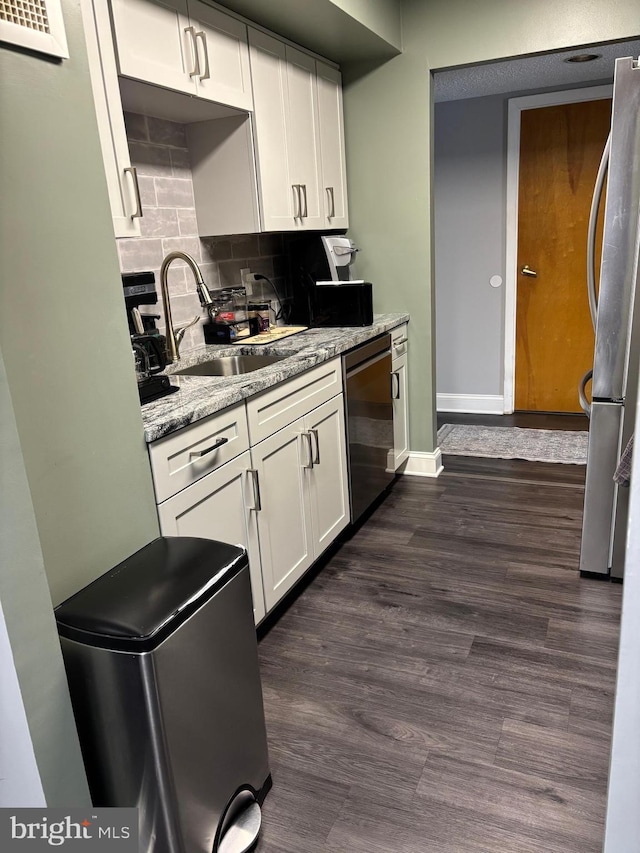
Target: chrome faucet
{"points": [[175, 336]]}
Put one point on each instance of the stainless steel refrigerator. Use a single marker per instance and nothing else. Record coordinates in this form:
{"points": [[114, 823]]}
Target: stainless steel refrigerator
{"points": [[617, 325]]}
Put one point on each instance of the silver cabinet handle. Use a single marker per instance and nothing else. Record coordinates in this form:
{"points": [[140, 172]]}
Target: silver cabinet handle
{"points": [[526, 270], [136, 188], [200, 453], [257, 500], [396, 395], [332, 202], [196, 56], [307, 435], [203, 38], [306, 210], [297, 214], [397, 344], [314, 433]]}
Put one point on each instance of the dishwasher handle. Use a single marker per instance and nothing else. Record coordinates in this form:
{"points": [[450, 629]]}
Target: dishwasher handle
{"points": [[365, 353], [365, 365]]}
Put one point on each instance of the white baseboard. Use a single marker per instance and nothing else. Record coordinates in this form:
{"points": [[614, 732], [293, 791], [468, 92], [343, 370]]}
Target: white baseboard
{"points": [[423, 464], [472, 404]]}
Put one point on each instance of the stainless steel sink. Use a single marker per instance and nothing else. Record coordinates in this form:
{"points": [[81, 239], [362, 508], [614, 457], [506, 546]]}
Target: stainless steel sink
{"points": [[229, 365]]}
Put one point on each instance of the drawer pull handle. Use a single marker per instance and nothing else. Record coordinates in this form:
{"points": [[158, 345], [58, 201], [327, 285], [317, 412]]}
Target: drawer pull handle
{"points": [[395, 395], [203, 38], [257, 500], [298, 201], [196, 56], [400, 341], [332, 200], [314, 433], [136, 188], [307, 436], [200, 453]]}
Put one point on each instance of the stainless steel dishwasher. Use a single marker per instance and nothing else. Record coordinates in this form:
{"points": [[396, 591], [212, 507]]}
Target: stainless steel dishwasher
{"points": [[369, 410]]}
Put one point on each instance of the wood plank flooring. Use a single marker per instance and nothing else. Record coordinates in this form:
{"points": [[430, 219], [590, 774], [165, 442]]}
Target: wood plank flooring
{"points": [[444, 684]]}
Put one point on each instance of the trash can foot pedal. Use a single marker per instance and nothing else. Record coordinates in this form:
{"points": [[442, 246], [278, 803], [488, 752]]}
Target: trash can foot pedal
{"points": [[242, 824]]}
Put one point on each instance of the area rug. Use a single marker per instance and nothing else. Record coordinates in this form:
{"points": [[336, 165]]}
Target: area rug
{"points": [[534, 445]]}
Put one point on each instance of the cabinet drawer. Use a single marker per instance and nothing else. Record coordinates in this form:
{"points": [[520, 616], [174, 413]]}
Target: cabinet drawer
{"points": [[283, 404], [175, 461], [399, 340]]}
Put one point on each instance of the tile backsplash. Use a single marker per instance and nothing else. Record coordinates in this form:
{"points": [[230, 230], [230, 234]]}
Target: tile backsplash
{"points": [[158, 150]]}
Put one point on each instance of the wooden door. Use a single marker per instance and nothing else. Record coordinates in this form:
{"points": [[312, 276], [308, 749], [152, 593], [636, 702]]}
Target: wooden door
{"points": [[560, 150]]}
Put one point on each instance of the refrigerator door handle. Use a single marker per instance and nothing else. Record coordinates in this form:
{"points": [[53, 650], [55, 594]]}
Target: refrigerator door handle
{"points": [[585, 405], [591, 233]]}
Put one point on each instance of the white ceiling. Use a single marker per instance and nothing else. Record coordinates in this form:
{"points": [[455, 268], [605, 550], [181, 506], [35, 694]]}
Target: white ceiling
{"points": [[531, 73]]}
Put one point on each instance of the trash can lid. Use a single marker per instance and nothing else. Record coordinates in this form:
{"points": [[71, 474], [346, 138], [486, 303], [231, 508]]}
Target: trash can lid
{"points": [[140, 602]]}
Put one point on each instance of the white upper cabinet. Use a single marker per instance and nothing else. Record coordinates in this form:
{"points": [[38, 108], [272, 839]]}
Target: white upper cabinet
{"points": [[304, 135], [122, 182], [187, 47], [334, 175], [289, 134], [225, 74], [278, 197]]}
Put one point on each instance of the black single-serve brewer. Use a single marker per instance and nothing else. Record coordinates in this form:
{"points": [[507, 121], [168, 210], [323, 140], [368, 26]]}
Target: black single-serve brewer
{"points": [[149, 346], [325, 290]]}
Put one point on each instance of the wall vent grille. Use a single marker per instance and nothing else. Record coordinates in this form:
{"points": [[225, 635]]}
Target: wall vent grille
{"points": [[34, 24], [26, 13]]}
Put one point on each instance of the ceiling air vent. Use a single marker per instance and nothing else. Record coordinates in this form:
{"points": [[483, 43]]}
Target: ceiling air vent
{"points": [[35, 24]]}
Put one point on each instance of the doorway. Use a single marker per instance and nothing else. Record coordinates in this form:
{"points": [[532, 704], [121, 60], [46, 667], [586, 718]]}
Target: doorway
{"points": [[548, 334]]}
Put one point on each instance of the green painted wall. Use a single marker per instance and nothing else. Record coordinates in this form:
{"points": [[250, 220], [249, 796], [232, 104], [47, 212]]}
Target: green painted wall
{"points": [[388, 119], [63, 329], [382, 17], [26, 603]]}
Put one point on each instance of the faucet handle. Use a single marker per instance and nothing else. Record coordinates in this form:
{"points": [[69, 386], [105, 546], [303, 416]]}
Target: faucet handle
{"points": [[179, 332]]}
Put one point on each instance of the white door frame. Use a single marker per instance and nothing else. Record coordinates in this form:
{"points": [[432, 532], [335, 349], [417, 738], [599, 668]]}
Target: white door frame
{"points": [[516, 106]]}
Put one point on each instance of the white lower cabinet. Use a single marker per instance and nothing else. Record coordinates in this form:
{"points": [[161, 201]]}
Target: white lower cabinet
{"points": [[302, 473], [284, 519], [399, 391], [221, 505], [285, 498]]}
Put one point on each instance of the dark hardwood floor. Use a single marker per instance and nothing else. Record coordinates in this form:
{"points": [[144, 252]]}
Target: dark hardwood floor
{"points": [[445, 683]]}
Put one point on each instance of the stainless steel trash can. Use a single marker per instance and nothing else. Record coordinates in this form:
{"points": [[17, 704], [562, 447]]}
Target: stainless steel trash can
{"points": [[162, 662]]}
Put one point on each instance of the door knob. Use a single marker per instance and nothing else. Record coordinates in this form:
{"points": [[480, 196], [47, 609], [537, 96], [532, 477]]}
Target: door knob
{"points": [[527, 271]]}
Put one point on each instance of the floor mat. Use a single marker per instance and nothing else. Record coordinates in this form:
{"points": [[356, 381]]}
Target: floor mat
{"points": [[534, 445]]}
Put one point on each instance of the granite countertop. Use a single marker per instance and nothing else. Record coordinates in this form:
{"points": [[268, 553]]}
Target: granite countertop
{"points": [[200, 396]]}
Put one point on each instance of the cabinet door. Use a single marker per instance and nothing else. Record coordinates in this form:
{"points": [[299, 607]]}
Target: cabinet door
{"points": [[331, 124], [284, 522], [155, 43], [304, 137], [224, 57], [121, 178], [399, 390], [216, 507], [278, 199], [327, 480]]}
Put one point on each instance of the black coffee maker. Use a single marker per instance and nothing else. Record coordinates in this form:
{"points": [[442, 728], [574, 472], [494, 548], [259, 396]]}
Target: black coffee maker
{"points": [[149, 346]]}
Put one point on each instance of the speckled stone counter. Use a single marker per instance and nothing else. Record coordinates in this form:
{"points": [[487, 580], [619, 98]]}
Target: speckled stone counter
{"points": [[200, 396]]}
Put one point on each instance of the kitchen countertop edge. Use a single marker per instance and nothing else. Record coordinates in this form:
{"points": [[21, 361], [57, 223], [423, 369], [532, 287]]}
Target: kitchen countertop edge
{"points": [[202, 396]]}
